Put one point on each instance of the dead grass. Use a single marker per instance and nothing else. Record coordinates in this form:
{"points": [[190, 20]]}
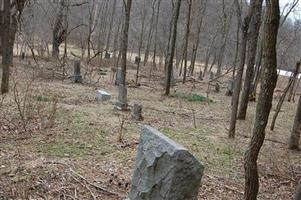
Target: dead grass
{"points": [[84, 139]]}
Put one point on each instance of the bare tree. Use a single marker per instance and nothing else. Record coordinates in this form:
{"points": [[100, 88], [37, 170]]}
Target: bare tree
{"points": [[294, 141], [240, 70], [264, 101], [187, 32], [172, 45], [252, 47], [11, 16]]}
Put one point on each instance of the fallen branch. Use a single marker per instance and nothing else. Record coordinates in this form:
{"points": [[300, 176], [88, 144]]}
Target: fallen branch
{"points": [[82, 177]]}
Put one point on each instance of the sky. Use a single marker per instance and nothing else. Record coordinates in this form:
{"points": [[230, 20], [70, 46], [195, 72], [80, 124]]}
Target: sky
{"points": [[297, 12]]}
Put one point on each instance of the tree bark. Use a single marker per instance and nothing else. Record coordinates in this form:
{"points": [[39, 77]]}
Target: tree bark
{"points": [[297, 195], [264, 101], [172, 45], [197, 42], [187, 32], [124, 41], [252, 47], [294, 141]]}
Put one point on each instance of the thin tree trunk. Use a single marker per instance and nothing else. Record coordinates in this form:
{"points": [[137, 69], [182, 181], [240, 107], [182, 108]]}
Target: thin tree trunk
{"points": [[187, 32], [140, 42], [197, 42], [294, 141], [124, 41], [171, 49], [264, 101], [252, 47], [240, 70], [150, 34], [297, 195], [111, 25], [282, 98], [7, 45]]}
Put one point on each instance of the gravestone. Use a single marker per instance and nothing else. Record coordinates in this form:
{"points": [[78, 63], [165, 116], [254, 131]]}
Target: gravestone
{"points": [[102, 95], [211, 76], [107, 55], [121, 103], [230, 87], [137, 60], [201, 76], [164, 170], [217, 88], [137, 112], [77, 74]]}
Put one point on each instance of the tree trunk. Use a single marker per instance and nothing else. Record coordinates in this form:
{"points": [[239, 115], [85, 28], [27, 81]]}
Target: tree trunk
{"points": [[282, 98], [252, 47], [124, 41], [295, 134], [171, 48], [111, 25], [197, 42], [240, 70], [154, 66], [7, 47], [264, 101], [187, 32], [140, 42], [297, 195], [150, 34]]}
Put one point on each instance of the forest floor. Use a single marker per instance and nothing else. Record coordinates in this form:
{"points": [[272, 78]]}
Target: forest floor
{"points": [[58, 142]]}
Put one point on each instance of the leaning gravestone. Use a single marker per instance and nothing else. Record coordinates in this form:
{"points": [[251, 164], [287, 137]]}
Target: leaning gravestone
{"points": [[77, 74], [164, 170]]}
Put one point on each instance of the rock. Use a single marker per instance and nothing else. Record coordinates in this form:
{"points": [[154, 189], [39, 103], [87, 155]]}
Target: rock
{"points": [[230, 87], [121, 103], [164, 170], [77, 74], [137, 112], [102, 95]]}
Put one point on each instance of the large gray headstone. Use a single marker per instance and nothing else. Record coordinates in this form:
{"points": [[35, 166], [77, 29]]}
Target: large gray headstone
{"points": [[164, 170]]}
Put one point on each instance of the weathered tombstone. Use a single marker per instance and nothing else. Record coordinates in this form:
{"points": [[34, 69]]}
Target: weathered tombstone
{"points": [[23, 55], [107, 55], [77, 74], [211, 76], [137, 112], [102, 95], [121, 103], [230, 87], [217, 88], [137, 60], [201, 76], [164, 170]]}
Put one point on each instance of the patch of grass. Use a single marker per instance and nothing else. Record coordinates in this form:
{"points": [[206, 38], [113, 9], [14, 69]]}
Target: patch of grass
{"points": [[42, 98], [192, 97], [63, 149]]}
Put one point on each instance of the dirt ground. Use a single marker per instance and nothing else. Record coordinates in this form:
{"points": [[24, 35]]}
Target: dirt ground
{"points": [[58, 142]]}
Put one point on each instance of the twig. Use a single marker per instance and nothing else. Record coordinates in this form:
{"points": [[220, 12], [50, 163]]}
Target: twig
{"points": [[82, 177]]}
